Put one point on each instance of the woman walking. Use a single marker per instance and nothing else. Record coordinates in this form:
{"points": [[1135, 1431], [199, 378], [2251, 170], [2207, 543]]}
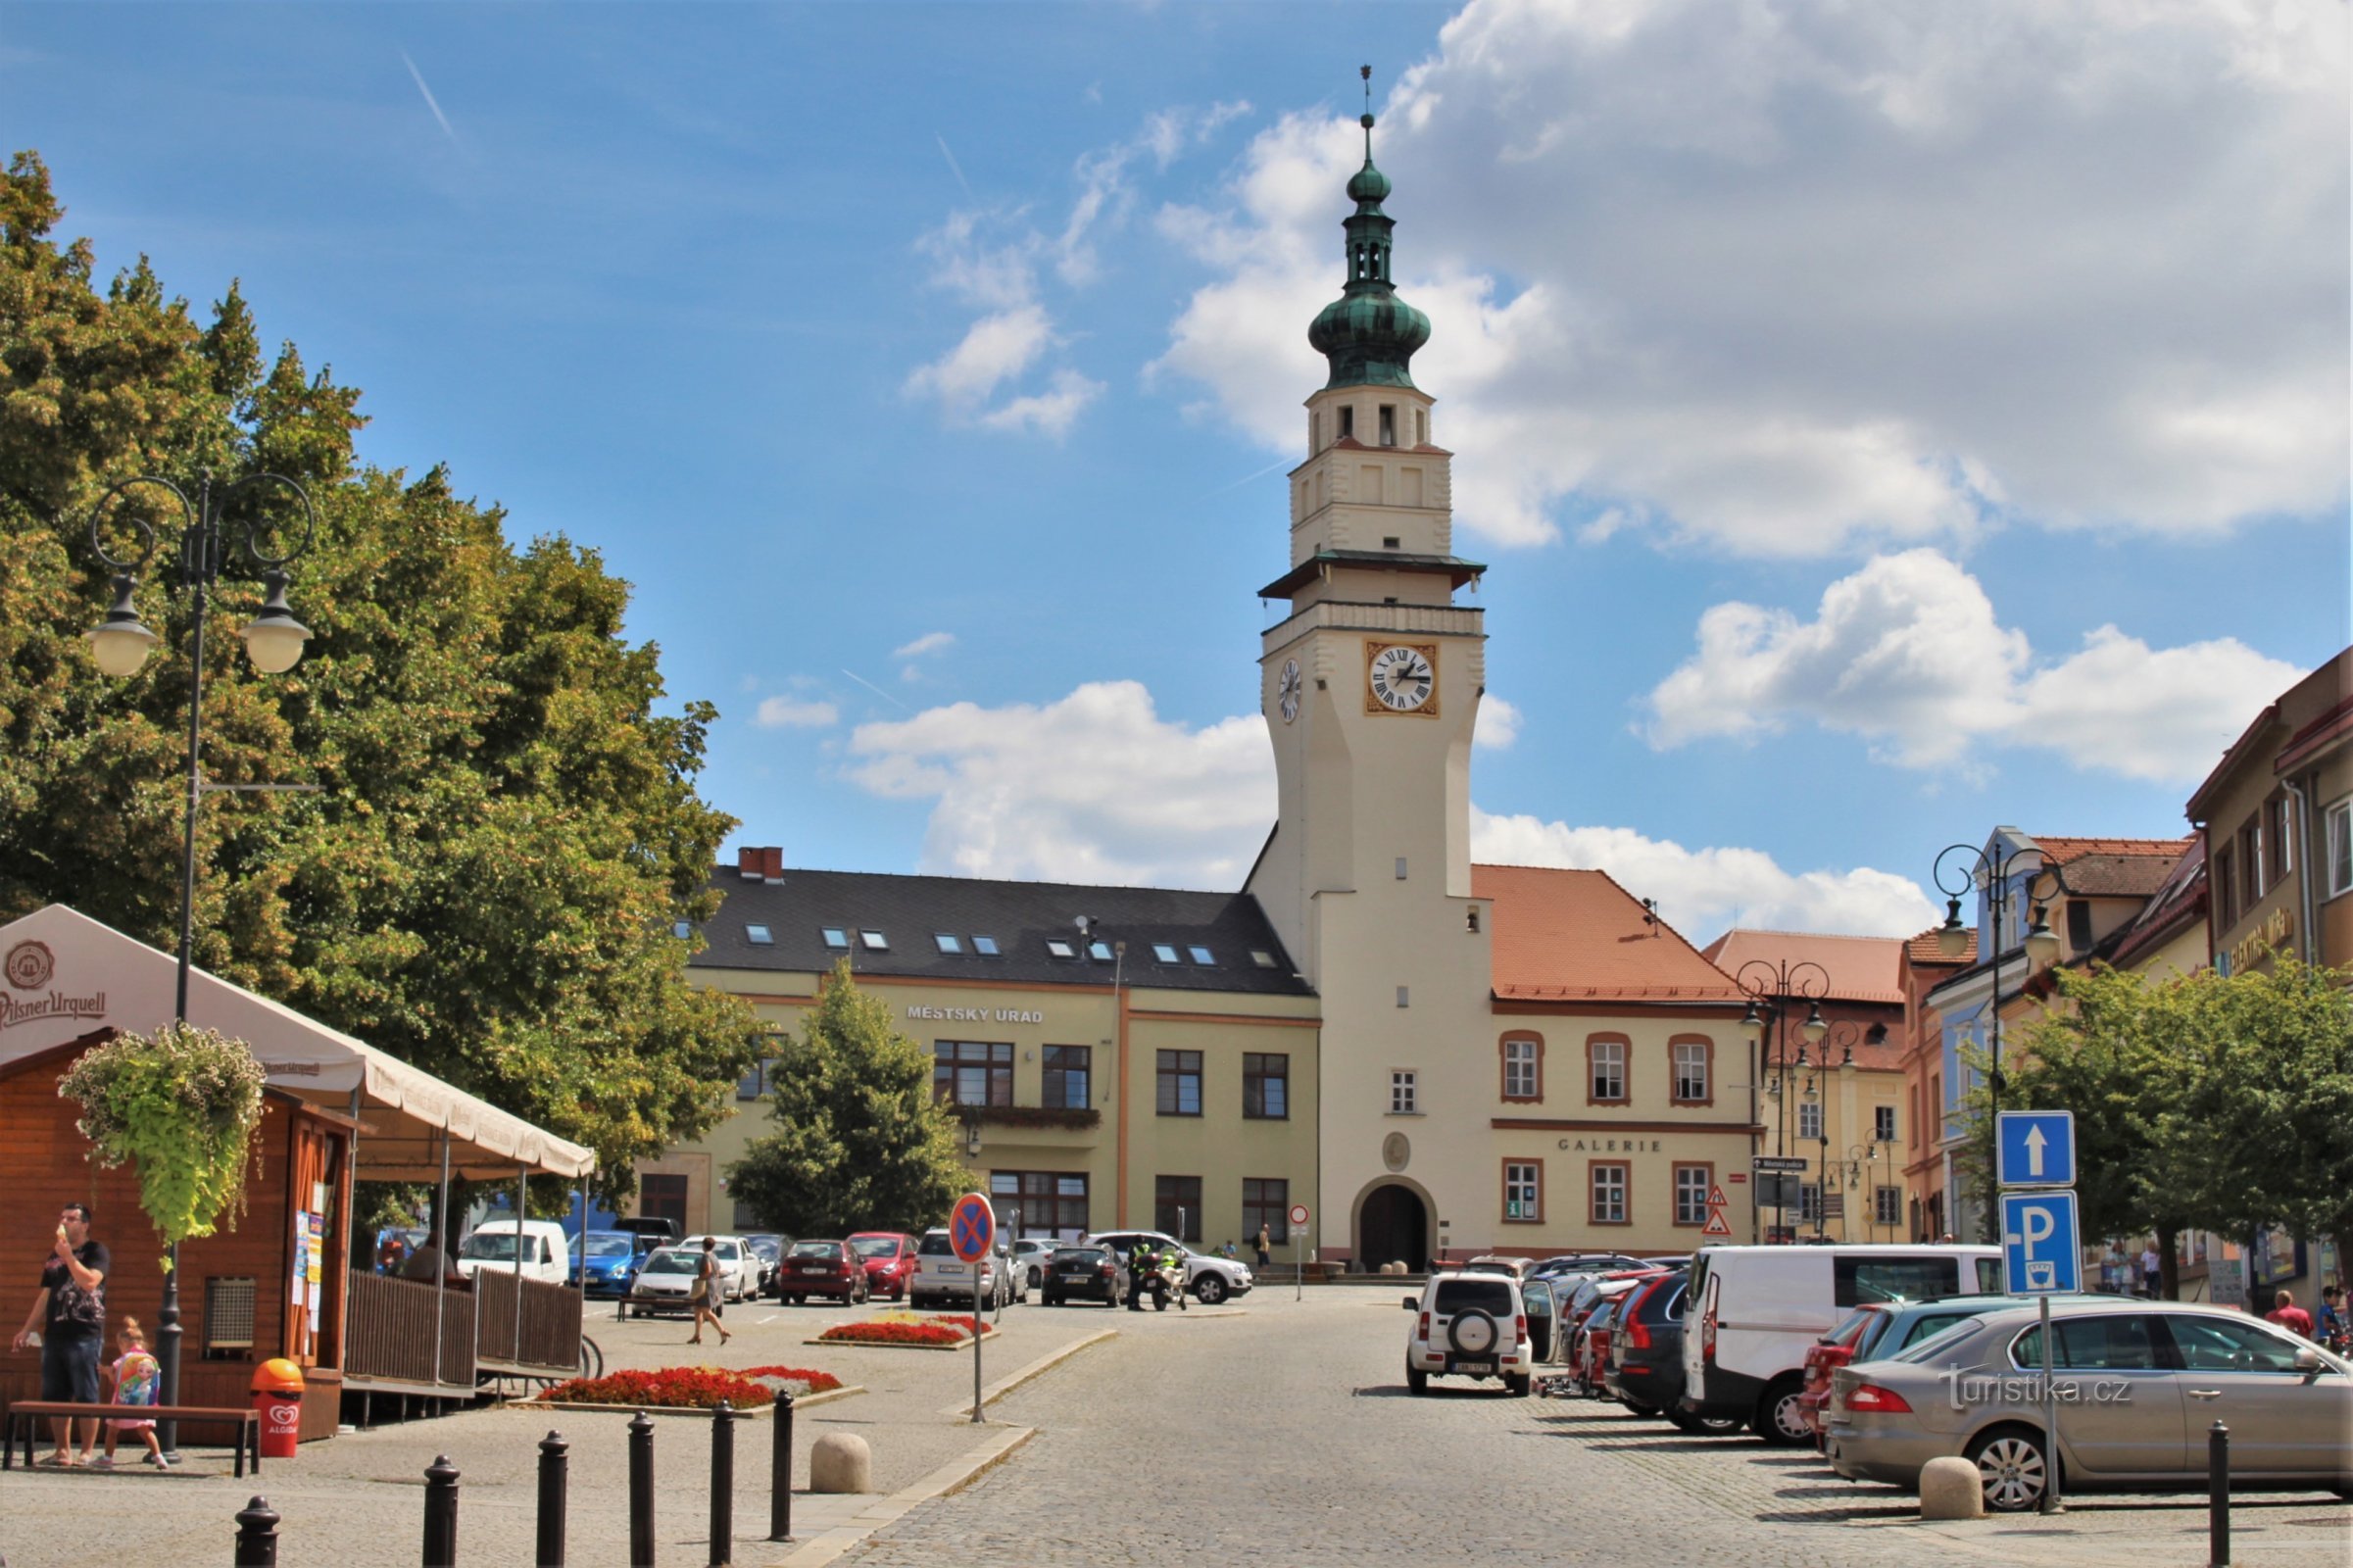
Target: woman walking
{"points": [[705, 1294]]}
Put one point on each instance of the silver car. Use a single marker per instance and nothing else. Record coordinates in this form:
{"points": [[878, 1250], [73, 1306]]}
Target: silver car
{"points": [[2138, 1385]]}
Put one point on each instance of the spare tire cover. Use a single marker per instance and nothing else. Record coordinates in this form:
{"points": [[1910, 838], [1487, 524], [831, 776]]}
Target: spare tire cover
{"points": [[1473, 1331]]}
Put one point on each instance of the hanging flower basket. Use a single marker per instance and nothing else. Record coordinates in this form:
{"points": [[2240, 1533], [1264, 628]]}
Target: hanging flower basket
{"points": [[182, 1104]]}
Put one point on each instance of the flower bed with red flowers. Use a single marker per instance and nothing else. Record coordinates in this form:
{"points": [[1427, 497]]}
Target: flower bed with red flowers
{"points": [[808, 1380], [965, 1325], [675, 1388], [932, 1333]]}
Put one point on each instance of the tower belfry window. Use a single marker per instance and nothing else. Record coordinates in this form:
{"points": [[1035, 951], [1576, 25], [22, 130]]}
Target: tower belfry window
{"points": [[1389, 424], [1347, 422]]}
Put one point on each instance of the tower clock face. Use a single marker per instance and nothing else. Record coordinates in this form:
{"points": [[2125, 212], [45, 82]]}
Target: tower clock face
{"points": [[1403, 678], [1286, 690]]}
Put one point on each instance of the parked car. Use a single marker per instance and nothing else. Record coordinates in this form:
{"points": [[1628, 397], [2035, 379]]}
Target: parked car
{"points": [[1472, 1326], [651, 1230], [1646, 1356], [1584, 1263], [2145, 1379], [1588, 1297], [769, 1247], [739, 1266], [1878, 1330], [1084, 1273], [1591, 1367], [611, 1258], [941, 1276], [1496, 1263], [1757, 1308], [664, 1280], [822, 1268], [1210, 1278], [1833, 1349], [889, 1258], [545, 1249], [1031, 1255]]}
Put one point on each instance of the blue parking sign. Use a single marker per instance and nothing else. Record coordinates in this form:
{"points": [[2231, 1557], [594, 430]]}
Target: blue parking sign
{"points": [[2042, 1244], [2035, 1148]]}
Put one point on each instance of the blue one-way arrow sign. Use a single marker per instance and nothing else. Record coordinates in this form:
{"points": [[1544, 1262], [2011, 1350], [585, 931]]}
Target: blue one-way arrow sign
{"points": [[2035, 1148], [2042, 1248]]}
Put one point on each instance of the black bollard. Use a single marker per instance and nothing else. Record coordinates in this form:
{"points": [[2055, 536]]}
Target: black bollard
{"points": [[555, 1466], [723, 1484], [441, 1513], [641, 1490], [780, 1472], [2217, 1495], [257, 1535]]}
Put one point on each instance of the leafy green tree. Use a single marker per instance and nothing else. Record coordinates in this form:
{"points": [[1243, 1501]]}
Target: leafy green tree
{"points": [[508, 828], [859, 1144]]}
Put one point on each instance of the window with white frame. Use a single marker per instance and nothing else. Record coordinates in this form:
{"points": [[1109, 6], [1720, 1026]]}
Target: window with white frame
{"points": [[1403, 1100], [1608, 1058], [1887, 1207], [1809, 1203], [1519, 1069], [1809, 1119], [1691, 1069], [1610, 1195], [1523, 1190], [1690, 1195], [1883, 1124], [2339, 834]]}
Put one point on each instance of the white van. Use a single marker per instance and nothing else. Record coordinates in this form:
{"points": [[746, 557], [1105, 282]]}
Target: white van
{"points": [[1751, 1313], [546, 1250]]}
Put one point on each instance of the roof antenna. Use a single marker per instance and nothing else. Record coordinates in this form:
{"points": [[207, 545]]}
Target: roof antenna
{"points": [[1367, 71]]}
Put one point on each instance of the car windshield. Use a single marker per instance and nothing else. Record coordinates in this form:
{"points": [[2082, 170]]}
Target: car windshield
{"points": [[1079, 1255], [667, 1262], [769, 1248], [606, 1246], [877, 1247], [829, 1249], [496, 1247], [935, 1244], [1941, 1346], [1484, 1294]]}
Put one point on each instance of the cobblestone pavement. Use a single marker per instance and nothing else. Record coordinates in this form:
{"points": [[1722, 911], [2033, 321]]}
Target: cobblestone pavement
{"points": [[1287, 1435]]}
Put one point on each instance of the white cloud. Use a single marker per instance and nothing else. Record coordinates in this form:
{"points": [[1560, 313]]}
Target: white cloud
{"points": [[792, 713], [1047, 412], [1897, 281], [931, 642], [1702, 893], [996, 348], [1499, 724], [1908, 653]]}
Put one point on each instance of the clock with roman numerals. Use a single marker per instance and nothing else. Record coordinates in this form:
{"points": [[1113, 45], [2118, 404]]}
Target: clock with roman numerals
{"points": [[1400, 678]]}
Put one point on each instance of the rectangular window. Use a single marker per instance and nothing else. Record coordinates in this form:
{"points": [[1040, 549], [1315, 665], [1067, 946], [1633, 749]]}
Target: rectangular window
{"points": [[1176, 1206], [1809, 1119], [1523, 1190], [682, 929], [1347, 422], [1521, 1075], [1056, 947], [1887, 1205], [1266, 1085], [1403, 1100], [1068, 1072], [1389, 424], [1691, 1071], [971, 1072], [1165, 952], [757, 936], [1608, 1055], [752, 1083], [1266, 1201], [837, 936], [1880, 1277], [1691, 1183], [1609, 1193], [1809, 1203], [948, 941], [1052, 1202], [1883, 1124], [1202, 956], [662, 1198], [2079, 925], [876, 941], [986, 947], [1180, 1083], [1421, 427], [2250, 860], [1100, 951], [2338, 831], [2283, 860]]}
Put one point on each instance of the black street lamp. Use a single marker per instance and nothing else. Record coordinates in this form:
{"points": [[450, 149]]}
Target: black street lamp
{"points": [[1774, 989], [1958, 868], [120, 645]]}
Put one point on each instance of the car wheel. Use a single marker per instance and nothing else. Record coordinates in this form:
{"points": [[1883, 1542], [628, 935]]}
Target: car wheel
{"points": [[1516, 1384], [1048, 1298], [1779, 1420], [1417, 1381], [1709, 1426], [2010, 1468], [1211, 1289]]}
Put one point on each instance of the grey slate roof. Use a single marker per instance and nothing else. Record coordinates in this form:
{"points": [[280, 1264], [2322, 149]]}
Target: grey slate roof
{"points": [[1021, 915]]}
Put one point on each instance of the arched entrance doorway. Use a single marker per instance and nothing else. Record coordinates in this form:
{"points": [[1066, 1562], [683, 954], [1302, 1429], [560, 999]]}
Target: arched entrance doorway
{"points": [[1392, 1227]]}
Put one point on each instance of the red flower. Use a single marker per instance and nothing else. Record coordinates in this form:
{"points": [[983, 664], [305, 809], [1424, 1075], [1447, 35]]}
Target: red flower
{"points": [[819, 1382], [675, 1388], [935, 1333]]}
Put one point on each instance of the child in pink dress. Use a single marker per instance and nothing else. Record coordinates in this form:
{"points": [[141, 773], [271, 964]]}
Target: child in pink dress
{"points": [[136, 1379]]}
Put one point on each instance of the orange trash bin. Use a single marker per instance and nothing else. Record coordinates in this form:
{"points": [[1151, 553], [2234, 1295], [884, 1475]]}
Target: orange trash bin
{"points": [[278, 1395]]}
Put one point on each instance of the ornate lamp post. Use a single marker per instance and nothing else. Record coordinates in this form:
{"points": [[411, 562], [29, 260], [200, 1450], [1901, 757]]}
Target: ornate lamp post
{"points": [[1775, 989], [120, 645]]}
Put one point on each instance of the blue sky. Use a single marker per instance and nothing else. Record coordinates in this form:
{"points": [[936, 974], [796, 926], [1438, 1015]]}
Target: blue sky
{"points": [[1879, 422]]}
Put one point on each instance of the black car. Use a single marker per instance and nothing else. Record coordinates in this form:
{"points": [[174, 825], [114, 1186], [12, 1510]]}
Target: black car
{"points": [[1086, 1274], [769, 1248], [1646, 1355]]}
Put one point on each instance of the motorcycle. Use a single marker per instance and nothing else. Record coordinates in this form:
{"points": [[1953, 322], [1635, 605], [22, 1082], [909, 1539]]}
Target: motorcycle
{"points": [[1160, 1281]]}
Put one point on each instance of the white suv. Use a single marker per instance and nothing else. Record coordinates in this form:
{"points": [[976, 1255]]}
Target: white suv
{"points": [[941, 1276], [1211, 1279], [1470, 1326]]}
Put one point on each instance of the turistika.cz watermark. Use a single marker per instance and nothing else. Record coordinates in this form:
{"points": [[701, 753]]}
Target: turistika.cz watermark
{"points": [[1967, 1390]]}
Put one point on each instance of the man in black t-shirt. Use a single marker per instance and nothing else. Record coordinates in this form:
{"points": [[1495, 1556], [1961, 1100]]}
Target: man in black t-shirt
{"points": [[70, 1314]]}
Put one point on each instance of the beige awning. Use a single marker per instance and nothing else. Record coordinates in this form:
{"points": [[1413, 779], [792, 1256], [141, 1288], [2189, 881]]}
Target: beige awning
{"points": [[64, 974]]}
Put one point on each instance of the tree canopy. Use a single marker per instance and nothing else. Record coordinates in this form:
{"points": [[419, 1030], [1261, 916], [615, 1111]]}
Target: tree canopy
{"points": [[508, 829], [858, 1144]]}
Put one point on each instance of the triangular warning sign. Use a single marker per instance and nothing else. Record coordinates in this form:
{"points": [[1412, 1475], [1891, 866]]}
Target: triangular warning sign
{"points": [[1715, 1225], [1716, 1197]]}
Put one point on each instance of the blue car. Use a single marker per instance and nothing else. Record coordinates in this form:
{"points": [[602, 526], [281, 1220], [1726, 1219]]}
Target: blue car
{"points": [[612, 1259]]}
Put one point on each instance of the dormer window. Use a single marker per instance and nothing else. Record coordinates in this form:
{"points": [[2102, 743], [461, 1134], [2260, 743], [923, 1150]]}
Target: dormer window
{"points": [[836, 938], [1165, 953], [759, 937], [986, 947], [1389, 424], [949, 941], [876, 941], [1056, 947], [1202, 956], [1100, 951]]}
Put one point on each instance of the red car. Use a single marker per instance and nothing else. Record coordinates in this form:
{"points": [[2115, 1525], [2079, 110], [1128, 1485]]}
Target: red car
{"points": [[1825, 1356], [889, 1261], [820, 1268]]}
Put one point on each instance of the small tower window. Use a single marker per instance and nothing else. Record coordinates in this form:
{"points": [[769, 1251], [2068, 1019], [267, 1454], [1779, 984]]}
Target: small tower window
{"points": [[1421, 427], [1315, 432], [1389, 424], [1347, 422], [1390, 541]]}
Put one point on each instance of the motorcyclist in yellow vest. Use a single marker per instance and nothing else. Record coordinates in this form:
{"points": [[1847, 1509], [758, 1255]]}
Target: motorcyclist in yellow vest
{"points": [[1173, 1260], [1140, 1264]]}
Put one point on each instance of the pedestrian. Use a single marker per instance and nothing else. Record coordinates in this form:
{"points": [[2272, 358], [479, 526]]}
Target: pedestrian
{"points": [[136, 1379], [2333, 1330], [704, 1294], [1264, 1240], [68, 1321], [2288, 1315], [2150, 1273]]}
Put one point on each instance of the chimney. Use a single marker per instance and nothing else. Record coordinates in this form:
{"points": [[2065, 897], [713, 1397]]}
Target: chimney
{"points": [[764, 863]]}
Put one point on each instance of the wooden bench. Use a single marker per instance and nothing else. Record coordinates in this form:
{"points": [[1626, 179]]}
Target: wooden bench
{"points": [[246, 1419]]}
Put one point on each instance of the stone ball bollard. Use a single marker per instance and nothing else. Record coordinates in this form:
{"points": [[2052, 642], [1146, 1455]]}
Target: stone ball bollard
{"points": [[1951, 1489], [841, 1461]]}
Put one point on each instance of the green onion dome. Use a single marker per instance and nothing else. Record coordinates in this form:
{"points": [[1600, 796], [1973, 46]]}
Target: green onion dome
{"points": [[1368, 335]]}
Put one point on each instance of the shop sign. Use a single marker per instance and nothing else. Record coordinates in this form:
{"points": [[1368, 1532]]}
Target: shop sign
{"points": [[1611, 1145], [926, 1012], [2274, 932], [29, 966]]}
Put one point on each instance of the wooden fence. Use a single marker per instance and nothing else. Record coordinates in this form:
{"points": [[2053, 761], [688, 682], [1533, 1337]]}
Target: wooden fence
{"points": [[544, 1337], [389, 1333]]}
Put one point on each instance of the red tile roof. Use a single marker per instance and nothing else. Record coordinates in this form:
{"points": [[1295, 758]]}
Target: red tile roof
{"points": [[1860, 968], [1571, 936], [1923, 949], [2058, 851]]}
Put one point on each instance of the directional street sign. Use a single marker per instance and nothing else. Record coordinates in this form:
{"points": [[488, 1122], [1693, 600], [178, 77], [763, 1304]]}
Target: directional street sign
{"points": [[971, 1227], [2042, 1245], [2035, 1148], [1793, 1164]]}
